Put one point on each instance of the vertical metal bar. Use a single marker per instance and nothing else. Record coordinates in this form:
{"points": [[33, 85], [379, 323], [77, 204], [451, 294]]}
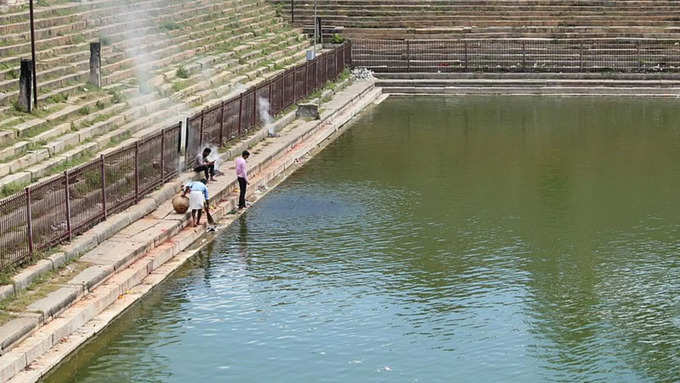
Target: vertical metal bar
{"points": [[200, 137], [580, 55], [272, 110], [29, 221], [35, 76], [103, 186], [240, 112], [136, 171], [163, 156], [325, 68], [294, 81], [283, 93], [639, 65], [306, 92], [221, 124], [68, 206], [524, 55], [255, 107]]}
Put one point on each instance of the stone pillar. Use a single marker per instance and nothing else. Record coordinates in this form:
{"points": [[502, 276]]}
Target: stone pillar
{"points": [[317, 25], [96, 64], [26, 85]]}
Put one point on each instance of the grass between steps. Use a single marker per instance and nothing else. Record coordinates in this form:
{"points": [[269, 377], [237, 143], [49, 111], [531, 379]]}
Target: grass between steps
{"points": [[43, 286], [268, 64]]}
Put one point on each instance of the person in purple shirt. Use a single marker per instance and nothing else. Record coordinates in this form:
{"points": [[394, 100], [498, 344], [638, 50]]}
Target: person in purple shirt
{"points": [[242, 177]]}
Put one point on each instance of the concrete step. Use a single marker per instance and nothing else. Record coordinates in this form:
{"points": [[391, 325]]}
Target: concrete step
{"points": [[537, 90], [524, 83]]}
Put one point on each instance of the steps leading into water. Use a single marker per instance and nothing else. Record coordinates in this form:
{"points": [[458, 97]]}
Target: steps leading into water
{"points": [[529, 84]]}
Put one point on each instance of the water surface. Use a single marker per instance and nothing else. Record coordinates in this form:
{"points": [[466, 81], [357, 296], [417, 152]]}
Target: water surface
{"points": [[459, 239]]}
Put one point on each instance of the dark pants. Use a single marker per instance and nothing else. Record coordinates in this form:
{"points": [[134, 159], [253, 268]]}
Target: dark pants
{"points": [[208, 170], [242, 192]]}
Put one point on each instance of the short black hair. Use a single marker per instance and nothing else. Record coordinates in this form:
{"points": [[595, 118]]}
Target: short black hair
{"points": [[245, 153], [204, 181], [207, 150]]}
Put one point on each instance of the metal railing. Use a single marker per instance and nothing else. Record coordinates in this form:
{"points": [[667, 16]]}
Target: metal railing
{"points": [[518, 55], [238, 115], [63, 206]]}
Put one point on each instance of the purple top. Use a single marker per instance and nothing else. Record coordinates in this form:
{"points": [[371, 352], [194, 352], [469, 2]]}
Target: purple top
{"points": [[241, 171]]}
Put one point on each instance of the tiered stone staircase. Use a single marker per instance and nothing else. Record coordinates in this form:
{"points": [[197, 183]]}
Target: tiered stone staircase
{"points": [[558, 84], [387, 19], [162, 59]]}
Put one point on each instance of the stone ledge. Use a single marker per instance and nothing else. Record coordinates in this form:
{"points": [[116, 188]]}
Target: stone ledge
{"points": [[24, 278], [14, 330], [55, 301], [92, 276]]}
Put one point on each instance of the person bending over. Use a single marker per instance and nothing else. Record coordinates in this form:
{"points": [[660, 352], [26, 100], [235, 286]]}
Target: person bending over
{"points": [[198, 199]]}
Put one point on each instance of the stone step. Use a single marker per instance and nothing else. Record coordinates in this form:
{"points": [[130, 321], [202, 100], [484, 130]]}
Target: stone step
{"points": [[150, 46], [539, 90], [550, 76], [525, 82]]}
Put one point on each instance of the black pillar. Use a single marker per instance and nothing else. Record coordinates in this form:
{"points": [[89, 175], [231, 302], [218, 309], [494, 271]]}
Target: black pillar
{"points": [[96, 64], [25, 85]]}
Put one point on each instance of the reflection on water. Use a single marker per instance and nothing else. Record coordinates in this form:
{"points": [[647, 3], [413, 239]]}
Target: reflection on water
{"points": [[463, 239]]}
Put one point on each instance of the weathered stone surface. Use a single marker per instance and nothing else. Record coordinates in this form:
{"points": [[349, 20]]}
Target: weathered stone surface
{"points": [[81, 245], [57, 260], [55, 301], [116, 253], [28, 275], [6, 291], [308, 111], [10, 364], [15, 329], [110, 227], [16, 178], [91, 276]]}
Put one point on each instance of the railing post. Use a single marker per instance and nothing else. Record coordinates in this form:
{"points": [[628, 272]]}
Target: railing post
{"points": [[294, 81], [162, 156], [283, 88], [524, 56], [254, 106], [639, 61], [137, 171], [68, 206], [103, 172], [306, 78], [325, 68], [271, 102], [29, 221], [200, 136], [580, 55], [221, 124], [240, 113]]}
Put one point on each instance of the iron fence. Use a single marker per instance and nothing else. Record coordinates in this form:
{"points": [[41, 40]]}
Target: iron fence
{"points": [[237, 116], [63, 206], [518, 55]]}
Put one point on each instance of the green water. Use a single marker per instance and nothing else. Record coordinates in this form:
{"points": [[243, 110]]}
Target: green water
{"points": [[466, 239]]}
